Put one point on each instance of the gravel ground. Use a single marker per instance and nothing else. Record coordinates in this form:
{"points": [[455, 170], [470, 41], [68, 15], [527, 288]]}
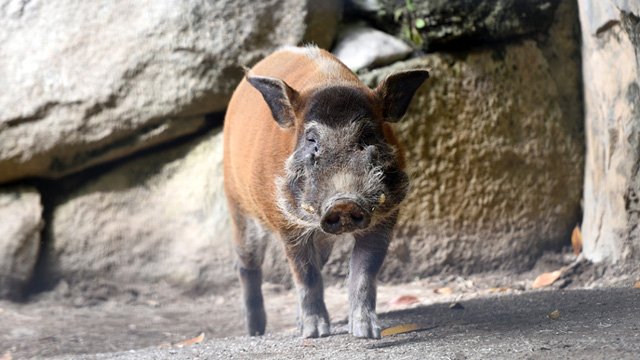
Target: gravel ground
{"points": [[592, 324]]}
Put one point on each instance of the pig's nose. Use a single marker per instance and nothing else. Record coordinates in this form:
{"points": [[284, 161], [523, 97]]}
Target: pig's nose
{"points": [[344, 216]]}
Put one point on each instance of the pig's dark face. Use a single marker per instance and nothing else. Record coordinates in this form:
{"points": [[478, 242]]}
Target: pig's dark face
{"points": [[343, 176]]}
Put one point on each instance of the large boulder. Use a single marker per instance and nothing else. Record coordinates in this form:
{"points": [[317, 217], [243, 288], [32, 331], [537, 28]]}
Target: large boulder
{"points": [[359, 47], [496, 157], [611, 67], [157, 217], [438, 23], [85, 82], [20, 226]]}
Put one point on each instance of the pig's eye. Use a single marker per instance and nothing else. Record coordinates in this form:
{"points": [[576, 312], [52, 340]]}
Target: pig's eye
{"points": [[311, 141], [366, 138]]}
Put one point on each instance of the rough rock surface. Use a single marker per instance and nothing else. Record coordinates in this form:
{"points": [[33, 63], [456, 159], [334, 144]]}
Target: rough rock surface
{"points": [[496, 164], [611, 67], [20, 226], [160, 216], [449, 22], [359, 46], [89, 89]]}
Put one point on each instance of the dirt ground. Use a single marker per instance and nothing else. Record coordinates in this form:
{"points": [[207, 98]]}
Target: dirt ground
{"points": [[101, 318], [588, 324]]}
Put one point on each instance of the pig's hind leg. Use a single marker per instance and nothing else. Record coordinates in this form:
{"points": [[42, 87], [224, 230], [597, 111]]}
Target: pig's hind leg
{"points": [[250, 240]]}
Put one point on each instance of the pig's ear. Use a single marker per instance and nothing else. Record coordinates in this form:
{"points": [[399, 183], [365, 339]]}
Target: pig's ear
{"points": [[397, 90], [279, 96]]}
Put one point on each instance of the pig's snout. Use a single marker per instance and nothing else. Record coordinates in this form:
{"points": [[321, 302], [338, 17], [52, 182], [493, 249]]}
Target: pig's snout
{"points": [[344, 216]]}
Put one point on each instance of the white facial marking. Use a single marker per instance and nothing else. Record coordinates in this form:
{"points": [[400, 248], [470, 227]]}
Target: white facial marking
{"points": [[344, 182]]}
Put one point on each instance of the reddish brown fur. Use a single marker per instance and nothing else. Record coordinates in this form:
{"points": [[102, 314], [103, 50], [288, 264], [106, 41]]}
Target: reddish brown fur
{"points": [[256, 148]]}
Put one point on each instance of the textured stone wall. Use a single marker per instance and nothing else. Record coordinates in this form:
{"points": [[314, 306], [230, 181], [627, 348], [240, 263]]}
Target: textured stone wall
{"points": [[495, 160]]}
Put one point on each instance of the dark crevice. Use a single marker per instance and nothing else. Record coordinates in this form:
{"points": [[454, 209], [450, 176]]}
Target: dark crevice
{"points": [[40, 279], [39, 113]]}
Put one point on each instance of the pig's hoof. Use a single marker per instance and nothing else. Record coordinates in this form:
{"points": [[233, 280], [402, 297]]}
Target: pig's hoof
{"points": [[256, 322], [314, 326], [364, 324]]}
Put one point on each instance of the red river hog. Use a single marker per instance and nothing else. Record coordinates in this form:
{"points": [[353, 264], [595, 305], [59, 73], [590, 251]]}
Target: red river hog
{"points": [[310, 159]]}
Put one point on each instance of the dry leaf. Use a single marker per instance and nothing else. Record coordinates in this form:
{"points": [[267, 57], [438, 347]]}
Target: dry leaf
{"points": [[196, 340], [6, 356], [637, 284], [546, 279], [576, 240], [399, 329], [554, 315], [499, 289], [444, 291], [403, 301]]}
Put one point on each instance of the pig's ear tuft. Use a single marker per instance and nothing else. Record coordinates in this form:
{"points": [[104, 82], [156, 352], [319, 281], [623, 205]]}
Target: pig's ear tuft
{"points": [[278, 95], [397, 90]]}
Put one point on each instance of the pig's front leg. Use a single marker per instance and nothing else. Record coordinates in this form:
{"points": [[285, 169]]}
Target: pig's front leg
{"points": [[313, 318], [368, 254]]}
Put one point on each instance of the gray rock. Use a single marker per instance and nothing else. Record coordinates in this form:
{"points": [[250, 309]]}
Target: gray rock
{"points": [[469, 21], [93, 81], [359, 46], [611, 68], [20, 226], [157, 217]]}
